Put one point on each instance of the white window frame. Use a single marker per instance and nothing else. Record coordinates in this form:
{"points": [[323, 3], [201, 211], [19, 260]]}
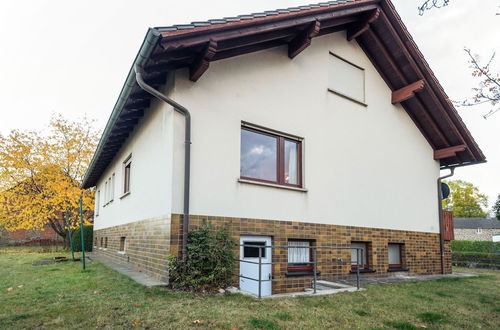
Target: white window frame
{"points": [[105, 193], [479, 231], [127, 162], [363, 255], [112, 188], [97, 202]]}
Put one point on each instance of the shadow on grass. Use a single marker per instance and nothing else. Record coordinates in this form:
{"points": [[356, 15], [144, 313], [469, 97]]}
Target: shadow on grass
{"points": [[361, 312], [284, 316], [423, 297], [400, 325], [21, 316], [432, 318], [262, 323], [443, 294]]}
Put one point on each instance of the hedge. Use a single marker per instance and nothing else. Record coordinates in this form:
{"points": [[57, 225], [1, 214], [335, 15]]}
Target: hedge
{"points": [[476, 254], [475, 246], [88, 232]]}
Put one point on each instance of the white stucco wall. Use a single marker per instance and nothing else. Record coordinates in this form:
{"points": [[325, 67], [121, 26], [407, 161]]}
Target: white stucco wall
{"points": [[150, 145], [363, 166]]}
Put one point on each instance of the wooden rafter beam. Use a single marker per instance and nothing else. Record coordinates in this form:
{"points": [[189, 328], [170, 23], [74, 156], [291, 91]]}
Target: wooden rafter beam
{"points": [[303, 39], [448, 152], [359, 29], [132, 114], [407, 92], [201, 64]]}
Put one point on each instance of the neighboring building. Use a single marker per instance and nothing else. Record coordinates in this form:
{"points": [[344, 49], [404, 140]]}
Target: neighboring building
{"points": [[320, 125], [477, 229], [30, 237]]}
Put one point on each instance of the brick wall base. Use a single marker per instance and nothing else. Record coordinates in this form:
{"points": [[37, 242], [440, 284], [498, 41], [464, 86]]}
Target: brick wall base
{"points": [[147, 245], [149, 242], [420, 254]]}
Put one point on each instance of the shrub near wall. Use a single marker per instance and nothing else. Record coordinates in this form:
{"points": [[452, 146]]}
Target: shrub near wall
{"points": [[210, 261], [88, 238], [479, 254]]}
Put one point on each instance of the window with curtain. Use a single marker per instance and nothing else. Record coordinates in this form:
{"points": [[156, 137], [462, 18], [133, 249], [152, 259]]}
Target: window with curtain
{"points": [[268, 157], [395, 256], [299, 256]]}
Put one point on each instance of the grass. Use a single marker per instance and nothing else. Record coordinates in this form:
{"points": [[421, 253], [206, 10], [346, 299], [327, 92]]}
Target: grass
{"points": [[62, 296]]}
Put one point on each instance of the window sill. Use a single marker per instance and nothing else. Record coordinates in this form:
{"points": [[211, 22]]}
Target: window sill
{"points": [[302, 273], [353, 271], [271, 185], [398, 269], [347, 97], [125, 195]]}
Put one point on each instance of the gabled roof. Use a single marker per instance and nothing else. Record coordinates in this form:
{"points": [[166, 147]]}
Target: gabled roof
{"points": [[474, 223], [373, 23]]}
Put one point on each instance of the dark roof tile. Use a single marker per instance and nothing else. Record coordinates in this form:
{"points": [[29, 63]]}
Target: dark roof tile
{"points": [[474, 223]]}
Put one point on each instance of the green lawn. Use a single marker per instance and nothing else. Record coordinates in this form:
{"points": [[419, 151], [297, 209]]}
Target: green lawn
{"points": [[62, 296]]}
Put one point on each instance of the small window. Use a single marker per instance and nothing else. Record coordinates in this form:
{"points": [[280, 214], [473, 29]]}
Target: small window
{"points": [[479, 231], [299, 256], [106, 193], [271, 158], [105, 242], [395, 251], [252, 251], [97, 202], [112, 188], [122, 243], [101, 242], [127, 165], [361, 249], [346, 79]]}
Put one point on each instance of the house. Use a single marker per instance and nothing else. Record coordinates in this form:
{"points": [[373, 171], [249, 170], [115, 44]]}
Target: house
{"points": [[477, 229], [307, 127]]}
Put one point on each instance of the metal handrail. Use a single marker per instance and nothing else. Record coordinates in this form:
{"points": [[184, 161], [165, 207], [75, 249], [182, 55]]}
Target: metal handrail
{"points": [[359, 253]]}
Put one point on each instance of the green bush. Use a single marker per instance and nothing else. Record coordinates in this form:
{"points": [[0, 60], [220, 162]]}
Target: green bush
{"points": [[475, 246], [210, 261], [88, 232]]}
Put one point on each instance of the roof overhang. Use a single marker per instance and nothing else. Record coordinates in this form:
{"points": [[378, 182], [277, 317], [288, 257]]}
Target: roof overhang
{"points": [[374, 24]]}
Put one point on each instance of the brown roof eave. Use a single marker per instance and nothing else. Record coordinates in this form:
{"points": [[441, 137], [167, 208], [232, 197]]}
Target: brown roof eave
{"points": [[418, 57]]}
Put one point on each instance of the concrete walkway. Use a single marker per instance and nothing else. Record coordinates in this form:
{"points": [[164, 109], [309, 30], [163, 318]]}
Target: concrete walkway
{"points": [[375, 280], [136, 275]]}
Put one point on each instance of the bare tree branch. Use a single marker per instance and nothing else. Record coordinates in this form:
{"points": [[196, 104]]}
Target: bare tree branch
{"points": [[429, 4], [488, 89]]}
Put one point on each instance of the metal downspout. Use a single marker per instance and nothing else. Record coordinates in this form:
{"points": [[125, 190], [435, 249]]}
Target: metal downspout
{"points": [[187, 152], [441, 224]]}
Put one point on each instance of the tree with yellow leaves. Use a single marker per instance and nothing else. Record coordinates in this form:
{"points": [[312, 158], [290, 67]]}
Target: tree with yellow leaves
{"points": [[40, 176]]}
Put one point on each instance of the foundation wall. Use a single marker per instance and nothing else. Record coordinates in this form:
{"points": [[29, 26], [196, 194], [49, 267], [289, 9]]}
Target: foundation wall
{"points": [[420, 251], [146, 248]]}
